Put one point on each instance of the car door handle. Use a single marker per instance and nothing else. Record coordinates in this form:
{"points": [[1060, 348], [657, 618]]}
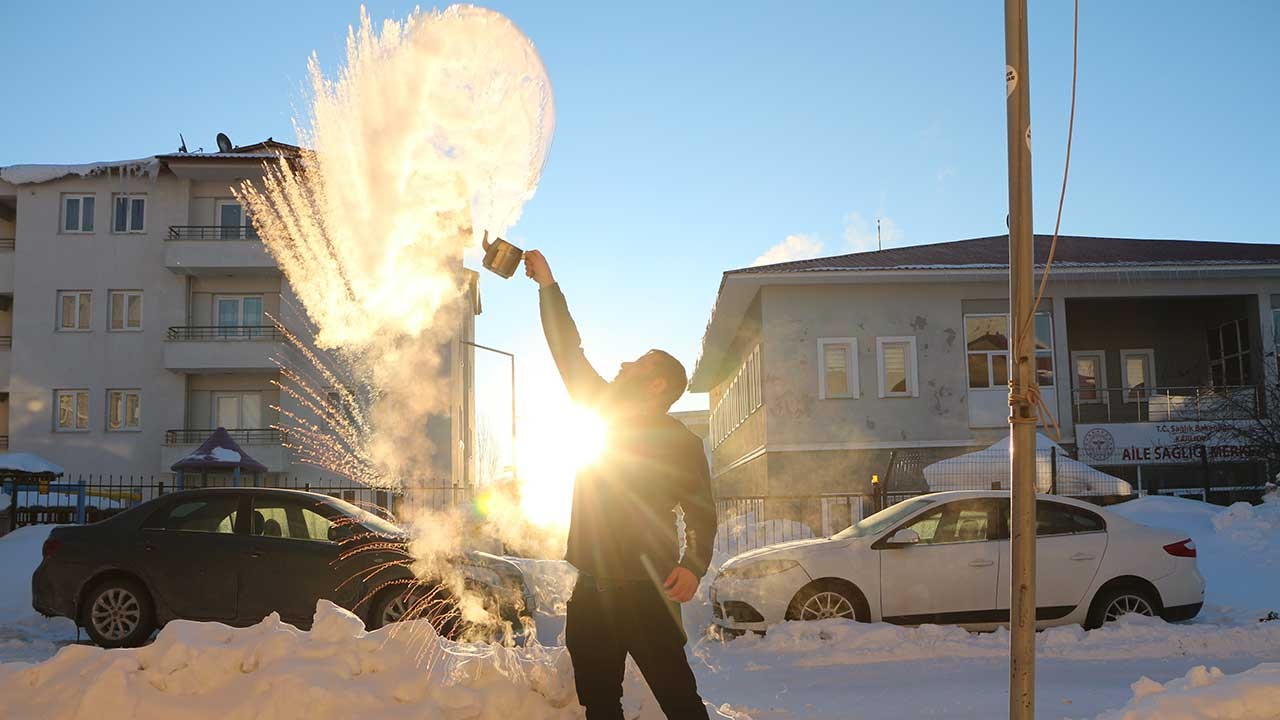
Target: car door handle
{"points": [[981, 563], [1083, 556], [255, 554]]}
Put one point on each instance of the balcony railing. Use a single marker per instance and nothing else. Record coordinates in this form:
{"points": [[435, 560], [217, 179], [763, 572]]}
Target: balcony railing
{"points": [[243, 436], [8, 243], [206, 333], [1171, 404], [4, 442], [212, 232], [6, 341]]}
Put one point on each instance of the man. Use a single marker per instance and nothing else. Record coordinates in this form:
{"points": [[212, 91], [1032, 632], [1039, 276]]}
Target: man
{"points": [[622, 531]]}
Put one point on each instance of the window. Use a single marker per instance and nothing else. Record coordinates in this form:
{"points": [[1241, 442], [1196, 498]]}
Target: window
{"points": [[956, 522], [238, 316], [237, 410], [72, 407], [1138, 368], [130, 214], [74, 310], [124, 410], [209, 514], [987, 345], [77, 213], [896, 362], [1058, 519], [1229, 354], [838, 369], [233, 221], [126, 310], [741, 398], [1090, 375]]}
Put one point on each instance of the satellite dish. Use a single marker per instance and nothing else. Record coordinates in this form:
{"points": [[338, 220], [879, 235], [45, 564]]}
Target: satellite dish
{"points": [[224, 143]]}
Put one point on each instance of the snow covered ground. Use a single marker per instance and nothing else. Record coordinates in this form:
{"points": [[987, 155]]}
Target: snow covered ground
{"points": [[1224, 665]]}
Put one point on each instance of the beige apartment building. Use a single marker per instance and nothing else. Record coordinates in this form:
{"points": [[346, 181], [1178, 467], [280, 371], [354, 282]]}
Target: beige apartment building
{"points": [[136, 307], [819, 370]]}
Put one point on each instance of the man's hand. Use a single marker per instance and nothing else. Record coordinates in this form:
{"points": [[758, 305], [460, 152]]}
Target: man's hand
{"points": [[535, 266], [681, 584]]}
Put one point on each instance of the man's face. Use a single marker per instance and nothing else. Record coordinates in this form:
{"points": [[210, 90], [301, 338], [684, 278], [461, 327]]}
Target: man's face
{"points": [[635, 378]]}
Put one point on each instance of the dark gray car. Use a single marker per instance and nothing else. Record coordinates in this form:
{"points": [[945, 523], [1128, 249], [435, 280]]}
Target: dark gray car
{"points": [[235, 555]]}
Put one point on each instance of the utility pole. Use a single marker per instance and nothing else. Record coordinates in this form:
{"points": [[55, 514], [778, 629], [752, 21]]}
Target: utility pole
{"points": [[1022, 414]]}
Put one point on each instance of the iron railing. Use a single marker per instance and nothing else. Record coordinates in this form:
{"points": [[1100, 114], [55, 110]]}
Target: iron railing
{"points": [[85, 498], [185, 333], [6, 341], [1166, 404], [243, 436], [212, 232], [4, 442], [8, 244]]}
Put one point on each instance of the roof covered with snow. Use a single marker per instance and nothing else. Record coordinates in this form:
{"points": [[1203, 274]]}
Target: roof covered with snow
{"points": [[148, 167], [218, 453], [28, 463]]}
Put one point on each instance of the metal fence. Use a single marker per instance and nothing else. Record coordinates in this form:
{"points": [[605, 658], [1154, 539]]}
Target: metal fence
{"points": [[1166, 404], [212, 232], [78, 499], [187, 333], [747, 522]]}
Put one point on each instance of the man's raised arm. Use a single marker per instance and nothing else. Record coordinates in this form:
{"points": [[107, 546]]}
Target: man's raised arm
{"points": [[583, 382]]}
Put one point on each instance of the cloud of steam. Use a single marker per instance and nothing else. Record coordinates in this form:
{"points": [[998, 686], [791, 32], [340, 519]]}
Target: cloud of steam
{"points": [[794, 247], [434, 131]]}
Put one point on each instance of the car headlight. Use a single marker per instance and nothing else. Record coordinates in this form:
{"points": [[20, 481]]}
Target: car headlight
{"points": [[757, 569]]}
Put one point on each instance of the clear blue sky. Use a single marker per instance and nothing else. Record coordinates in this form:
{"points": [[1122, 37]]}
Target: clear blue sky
{"points": [[692, 137]]}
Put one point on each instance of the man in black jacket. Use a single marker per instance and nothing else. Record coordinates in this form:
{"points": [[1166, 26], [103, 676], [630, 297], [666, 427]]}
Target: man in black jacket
{"points": [[622, 531]]}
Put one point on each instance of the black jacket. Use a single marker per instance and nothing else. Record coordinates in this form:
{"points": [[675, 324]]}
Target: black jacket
{"points": [[623, 524]]}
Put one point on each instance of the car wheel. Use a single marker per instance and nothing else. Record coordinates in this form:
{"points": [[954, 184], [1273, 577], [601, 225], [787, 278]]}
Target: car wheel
{"points": [[118, 613], [1115, 602], [826, 600], [418, 602]]}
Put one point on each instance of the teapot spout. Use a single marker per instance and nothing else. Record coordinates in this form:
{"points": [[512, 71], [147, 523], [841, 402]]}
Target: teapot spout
{"points": [[484, 242]]}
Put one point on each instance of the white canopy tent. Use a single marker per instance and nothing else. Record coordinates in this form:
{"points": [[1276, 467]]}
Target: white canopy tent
{"points": [[990, 468]]}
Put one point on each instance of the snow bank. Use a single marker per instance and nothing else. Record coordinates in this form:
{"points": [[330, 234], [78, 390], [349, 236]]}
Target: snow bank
{"points": [[1238, 550], [24, 633], [1206, 694], [844, 642], [25, 174]]}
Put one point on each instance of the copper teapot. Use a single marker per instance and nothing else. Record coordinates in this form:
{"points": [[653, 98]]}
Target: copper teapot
{"points": [[500, 256]]}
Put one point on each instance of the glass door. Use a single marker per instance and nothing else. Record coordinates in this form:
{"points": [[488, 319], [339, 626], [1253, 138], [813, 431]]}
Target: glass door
{"points": [[239, 316]]}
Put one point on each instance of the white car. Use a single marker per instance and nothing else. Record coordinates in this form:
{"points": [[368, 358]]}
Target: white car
{"points": [[943, 558]]}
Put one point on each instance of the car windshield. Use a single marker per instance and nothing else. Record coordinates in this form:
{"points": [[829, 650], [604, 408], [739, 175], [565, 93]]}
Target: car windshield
{"points": [[882, 520], [368, 519]]}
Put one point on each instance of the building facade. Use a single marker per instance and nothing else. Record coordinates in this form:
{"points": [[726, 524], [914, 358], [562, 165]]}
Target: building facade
{"points": [[819, 370], [139, 310]]}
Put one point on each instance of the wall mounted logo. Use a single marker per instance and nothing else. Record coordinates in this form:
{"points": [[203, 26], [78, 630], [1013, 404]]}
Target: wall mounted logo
{"points": [[1099, 444]]}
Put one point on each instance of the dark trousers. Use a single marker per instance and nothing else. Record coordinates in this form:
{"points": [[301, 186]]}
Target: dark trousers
{"points": [[605, 622]]}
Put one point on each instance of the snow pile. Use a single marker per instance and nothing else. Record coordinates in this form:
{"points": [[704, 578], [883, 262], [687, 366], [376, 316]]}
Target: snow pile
{"points": [[845, 642], [24, 633], [1206, 694], [1238, 550], [273, 671], [27, 174]]}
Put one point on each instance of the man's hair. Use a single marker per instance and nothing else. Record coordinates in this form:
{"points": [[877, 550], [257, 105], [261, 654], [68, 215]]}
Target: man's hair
{"points": [[670, 369]]}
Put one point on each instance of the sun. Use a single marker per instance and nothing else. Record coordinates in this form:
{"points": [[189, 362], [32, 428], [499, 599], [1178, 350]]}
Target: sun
{"points": [[553, 447]]}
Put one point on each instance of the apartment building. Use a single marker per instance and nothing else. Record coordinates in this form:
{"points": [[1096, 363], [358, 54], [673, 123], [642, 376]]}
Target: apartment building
{"points": [[819, 370], [136, 307]]}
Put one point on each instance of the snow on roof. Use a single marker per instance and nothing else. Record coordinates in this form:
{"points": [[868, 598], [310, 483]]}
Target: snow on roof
{"points": [[224, 454], [27, 463], [29, 174]]}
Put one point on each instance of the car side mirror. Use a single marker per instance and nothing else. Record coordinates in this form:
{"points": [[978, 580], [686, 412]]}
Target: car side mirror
{"points": [[339, 532], [905, 537]]}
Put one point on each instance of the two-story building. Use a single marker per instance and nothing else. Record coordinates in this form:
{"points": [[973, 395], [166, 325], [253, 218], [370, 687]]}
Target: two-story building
{"points": [[139, 310], [819, 369]]}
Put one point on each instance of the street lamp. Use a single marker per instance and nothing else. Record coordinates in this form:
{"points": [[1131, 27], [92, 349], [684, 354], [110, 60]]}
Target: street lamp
{"points": [[512, 356]]}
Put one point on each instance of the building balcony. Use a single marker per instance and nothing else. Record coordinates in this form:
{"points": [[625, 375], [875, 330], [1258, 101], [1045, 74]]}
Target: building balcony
{"points": [[215, 249], [266, 445], [208, 348], [1164, 405], [6, 358], [6, 265]]}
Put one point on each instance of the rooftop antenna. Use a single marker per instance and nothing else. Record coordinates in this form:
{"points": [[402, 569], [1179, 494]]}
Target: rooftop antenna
{"points": [[224, 143], [183, 148], [878, 245]]}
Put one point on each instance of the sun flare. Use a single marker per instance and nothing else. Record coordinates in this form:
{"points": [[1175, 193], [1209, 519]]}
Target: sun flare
{"points": [[553, 448]]}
